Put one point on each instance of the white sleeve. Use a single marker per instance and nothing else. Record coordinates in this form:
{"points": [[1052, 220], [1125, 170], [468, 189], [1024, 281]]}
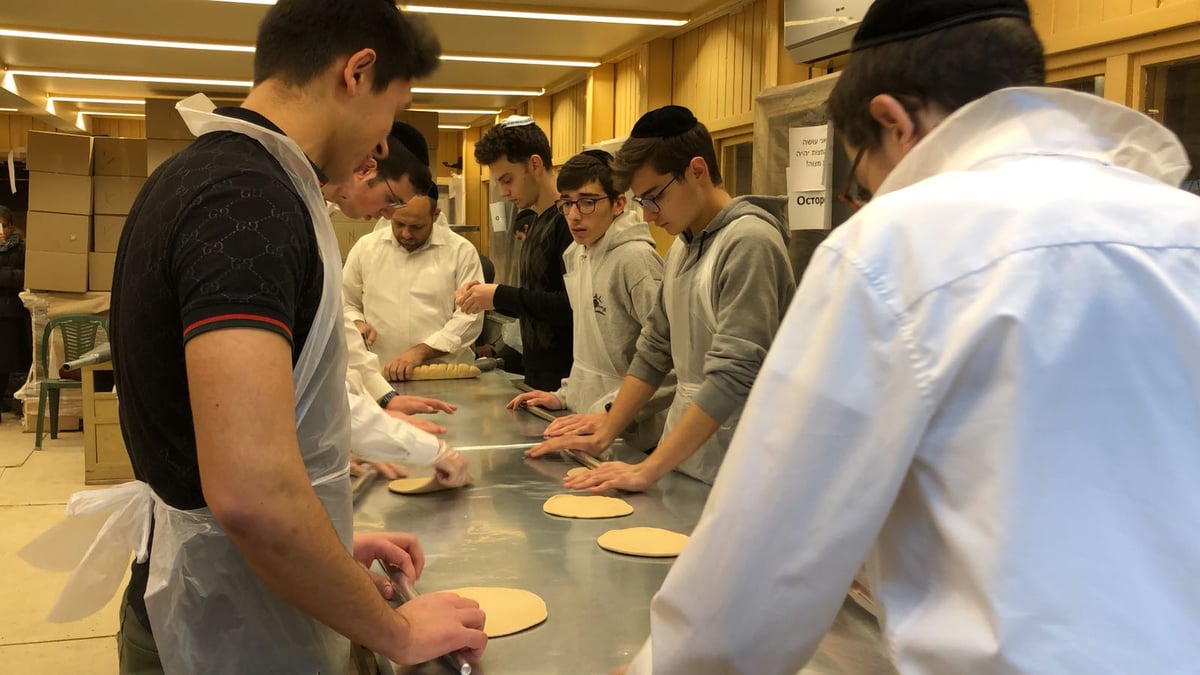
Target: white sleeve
{"points": [[363, 364], [462, 329], [352, 281], [825, 441], [378, 437]]}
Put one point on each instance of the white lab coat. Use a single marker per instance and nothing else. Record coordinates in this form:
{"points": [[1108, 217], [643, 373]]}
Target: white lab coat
{"points": [[988, 387], [408, 297]]}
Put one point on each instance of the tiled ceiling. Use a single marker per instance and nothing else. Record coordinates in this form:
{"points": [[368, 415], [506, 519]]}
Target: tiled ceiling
{"points": [[210, 21]]}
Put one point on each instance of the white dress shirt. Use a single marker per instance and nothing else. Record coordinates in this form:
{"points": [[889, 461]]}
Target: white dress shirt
{"points": [[408, 298], [987, 387]]}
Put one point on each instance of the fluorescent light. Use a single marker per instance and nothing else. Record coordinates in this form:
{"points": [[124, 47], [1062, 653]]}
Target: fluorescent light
{"points": [[89, 99], [97, 113], [5, 110], [568, 63], [544, 16], [454, 127], [158, 79], [479, 92], [457, 111], [131, 42]]}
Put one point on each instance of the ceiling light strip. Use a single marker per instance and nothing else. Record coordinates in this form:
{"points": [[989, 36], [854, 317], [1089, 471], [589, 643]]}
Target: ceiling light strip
{"points": [[92, 99], [521, 61], [9, 110], [127, 41], [454, 127], [478, 92], [458, 111], [99, 113], [156, 79], [545, 16]]}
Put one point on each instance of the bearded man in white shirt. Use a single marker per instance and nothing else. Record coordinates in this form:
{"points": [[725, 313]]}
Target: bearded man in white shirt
{"points": [[986, 386], [399, 285]]}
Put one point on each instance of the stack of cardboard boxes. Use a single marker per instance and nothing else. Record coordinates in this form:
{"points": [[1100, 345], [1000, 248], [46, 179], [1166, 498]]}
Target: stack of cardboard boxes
{"points": [[59, 223], [119, 173], [166, 134]]}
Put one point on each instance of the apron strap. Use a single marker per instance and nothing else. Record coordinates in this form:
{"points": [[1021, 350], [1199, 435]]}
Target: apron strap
{"points": [[102, 527]]}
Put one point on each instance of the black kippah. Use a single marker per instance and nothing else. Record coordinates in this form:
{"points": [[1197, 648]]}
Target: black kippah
{"points": [[670, 120], [412, 139], [893, 20]]}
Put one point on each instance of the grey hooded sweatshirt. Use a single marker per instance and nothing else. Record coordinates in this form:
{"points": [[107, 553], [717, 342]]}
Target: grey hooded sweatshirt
{"points": [[626, 272], [752, 285]]}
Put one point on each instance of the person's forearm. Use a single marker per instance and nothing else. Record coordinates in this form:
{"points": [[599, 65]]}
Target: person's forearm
{"points": [[634, 394], [690, 432], [428, 353]]}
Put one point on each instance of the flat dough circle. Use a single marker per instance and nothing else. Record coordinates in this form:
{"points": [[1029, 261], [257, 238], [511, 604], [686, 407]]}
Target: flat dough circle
{"points": [[579, 506], [508, 610], [647, 542], [416, 486], [578, 470]]}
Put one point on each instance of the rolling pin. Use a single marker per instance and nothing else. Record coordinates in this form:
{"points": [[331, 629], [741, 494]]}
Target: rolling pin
{"points": [[407, 592]]}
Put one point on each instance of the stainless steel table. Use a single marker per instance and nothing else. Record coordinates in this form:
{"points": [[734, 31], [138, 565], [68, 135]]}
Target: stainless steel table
{"points": [[494, 533]]}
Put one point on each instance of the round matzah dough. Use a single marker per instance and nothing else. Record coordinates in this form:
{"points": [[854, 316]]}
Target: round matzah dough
{"points": [[578, 470], [579, 506], [508, 610], [647, 542], [416, 486]]}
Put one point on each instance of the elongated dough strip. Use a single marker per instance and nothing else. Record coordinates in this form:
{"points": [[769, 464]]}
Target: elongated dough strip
{"points": [[445, 371]]}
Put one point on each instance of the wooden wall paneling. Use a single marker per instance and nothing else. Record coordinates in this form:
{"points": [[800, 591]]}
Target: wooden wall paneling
{"points": [[1143, 6], [756, 48], [449, 150], [656, 81], [5, 135], [476, 199], [1091, 12], [541, 110], [1118, 79], [600, 103], [568, 121], [1065, 15], [1115, 9], [18, 131], [1170, 15], [626, 94]]}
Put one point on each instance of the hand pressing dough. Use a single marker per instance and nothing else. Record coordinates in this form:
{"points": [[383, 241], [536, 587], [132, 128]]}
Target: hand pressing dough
{"points": [[416, 486], [647, 542], [578, 506], [508, 610], [578, 470], [445, 371]]}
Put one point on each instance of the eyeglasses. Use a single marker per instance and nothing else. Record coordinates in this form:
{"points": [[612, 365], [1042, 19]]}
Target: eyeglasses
{"points": [[586, 205], [854, 194], [396, 202], [651, 203]]}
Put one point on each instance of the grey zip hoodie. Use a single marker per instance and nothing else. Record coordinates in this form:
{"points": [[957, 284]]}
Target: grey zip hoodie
{"points": [[752, 286], [626, 275]]}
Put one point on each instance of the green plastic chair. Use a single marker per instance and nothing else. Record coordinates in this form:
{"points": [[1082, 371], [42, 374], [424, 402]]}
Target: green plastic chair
{"points": [[79, 332]]}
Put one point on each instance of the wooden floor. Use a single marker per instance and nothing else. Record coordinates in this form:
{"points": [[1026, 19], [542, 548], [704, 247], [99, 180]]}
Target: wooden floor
{"points": [[34, 487]]}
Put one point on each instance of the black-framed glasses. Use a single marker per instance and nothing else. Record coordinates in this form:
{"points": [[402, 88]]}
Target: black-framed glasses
{"points": [[853, 194], [586, 205], [651, 203], [396, 202]]}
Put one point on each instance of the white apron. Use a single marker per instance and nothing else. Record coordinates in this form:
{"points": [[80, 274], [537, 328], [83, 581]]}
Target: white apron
{"points": [[209, 612], [688, 350], [594, 379]]}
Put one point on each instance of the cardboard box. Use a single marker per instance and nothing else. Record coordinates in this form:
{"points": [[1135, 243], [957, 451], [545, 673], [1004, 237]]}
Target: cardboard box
{"points": [[57, 232], [100, 271], [114, 195], [60, 193], [159, 151], [119, 157], [49, 152], [106, 233], [56, 271], [163, 120]]}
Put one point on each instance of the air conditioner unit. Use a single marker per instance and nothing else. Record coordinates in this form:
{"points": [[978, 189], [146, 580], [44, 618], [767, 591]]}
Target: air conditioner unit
{"points": [[818, 29]]}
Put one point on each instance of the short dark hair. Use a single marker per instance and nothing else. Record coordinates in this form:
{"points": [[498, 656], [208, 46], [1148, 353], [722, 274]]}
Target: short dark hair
{"points": [[399, 163], [514, 143], [949, 68], [666, 155], [299, 39], [7, 215], [588, 166]]}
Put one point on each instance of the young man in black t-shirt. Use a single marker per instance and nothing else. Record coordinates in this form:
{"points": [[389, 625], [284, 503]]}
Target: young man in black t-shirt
{"points": [[218, 280], [517, 154]]}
